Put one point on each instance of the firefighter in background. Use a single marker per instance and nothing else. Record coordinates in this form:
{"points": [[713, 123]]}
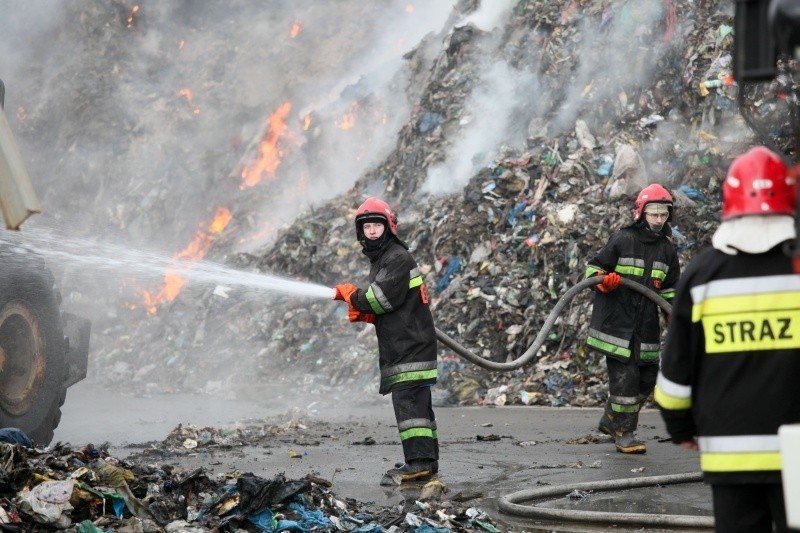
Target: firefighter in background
{"points": [[731, 360], [625, 325], [396, 302]]}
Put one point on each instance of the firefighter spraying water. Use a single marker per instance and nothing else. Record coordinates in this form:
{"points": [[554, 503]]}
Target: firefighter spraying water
{"points": [[396, 303]]}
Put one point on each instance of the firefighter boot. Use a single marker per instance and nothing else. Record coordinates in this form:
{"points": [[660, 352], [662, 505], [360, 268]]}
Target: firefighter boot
{"points": [[606, 424], [624, 425], [434, 466], [626, 442], [414, 470]]}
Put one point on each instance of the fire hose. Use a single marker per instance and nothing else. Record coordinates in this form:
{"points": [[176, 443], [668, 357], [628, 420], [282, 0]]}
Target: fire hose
{"points": [[511, 503], [538, 342]]}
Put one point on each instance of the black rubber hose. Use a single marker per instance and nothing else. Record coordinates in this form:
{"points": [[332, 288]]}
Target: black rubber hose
{"points": [[510, 503], [530, 353]]}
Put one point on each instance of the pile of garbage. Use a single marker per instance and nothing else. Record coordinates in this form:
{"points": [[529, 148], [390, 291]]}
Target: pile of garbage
{"points": [[498, 253], [87, 490]]}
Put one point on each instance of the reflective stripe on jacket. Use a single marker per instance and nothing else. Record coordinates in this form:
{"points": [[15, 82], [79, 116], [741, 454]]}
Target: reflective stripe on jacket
{"points": [[380, 303], [730, 364], [641, 256], [740, 453], [403, 321]]}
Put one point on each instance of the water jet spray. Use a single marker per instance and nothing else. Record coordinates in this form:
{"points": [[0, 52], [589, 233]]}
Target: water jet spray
{"points": [[78, 252]]}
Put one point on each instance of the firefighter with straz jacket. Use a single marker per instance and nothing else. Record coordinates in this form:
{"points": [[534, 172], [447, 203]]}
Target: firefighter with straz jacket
{"points": [[731, 360], [396, 302], [625, 325]]}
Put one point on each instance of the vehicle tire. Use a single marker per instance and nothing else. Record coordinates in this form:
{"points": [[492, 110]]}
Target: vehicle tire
{"points": [[32, 346]]}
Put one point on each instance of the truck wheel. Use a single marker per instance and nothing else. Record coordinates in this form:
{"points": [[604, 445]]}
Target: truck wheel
{"points": [[32, 347]]}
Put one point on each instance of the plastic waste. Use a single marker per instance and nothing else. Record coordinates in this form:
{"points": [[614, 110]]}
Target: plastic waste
{"points": [[429, 121], [15, 436], [48, 501], [309, 519], [518, 210], [693, 193], [453, 266], [264, 520], [257, 494], [87, 526], [606, 166]]}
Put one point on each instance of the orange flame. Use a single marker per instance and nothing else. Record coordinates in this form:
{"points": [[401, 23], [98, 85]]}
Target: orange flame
{"points": [[348, 120], [270, 153], [187, 93], [409, 8], [180, 44], [295, 31], [21, 114], [194, 252], [307, 122], [132, 16]]}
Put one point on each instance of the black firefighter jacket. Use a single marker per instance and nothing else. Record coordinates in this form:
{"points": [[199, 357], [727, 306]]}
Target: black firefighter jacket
{"points": [[731, 362], [650, 259], [403, 320]]}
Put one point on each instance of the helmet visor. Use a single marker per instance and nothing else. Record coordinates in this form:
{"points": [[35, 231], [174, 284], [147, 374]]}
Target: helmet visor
{"points": [[654, 208]]}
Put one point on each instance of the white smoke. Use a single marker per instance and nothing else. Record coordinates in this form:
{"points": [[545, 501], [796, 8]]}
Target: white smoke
{"points": [[489, 122], [135, 125], [490, 15]]}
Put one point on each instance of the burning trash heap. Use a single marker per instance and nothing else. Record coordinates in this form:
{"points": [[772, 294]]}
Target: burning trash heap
{"points": [[497, 255]]}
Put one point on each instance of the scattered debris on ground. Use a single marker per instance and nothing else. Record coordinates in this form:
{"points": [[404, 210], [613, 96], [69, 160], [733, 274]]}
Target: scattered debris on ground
{"points": [[87, 490]]}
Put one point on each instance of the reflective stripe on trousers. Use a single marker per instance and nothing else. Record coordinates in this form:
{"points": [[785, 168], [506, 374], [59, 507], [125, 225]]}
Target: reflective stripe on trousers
{"points": [[416, 423]]}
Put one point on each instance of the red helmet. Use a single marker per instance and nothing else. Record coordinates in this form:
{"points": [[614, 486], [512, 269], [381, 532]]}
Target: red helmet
{"points": [[375, 208], [654, 193], [758, 183]]}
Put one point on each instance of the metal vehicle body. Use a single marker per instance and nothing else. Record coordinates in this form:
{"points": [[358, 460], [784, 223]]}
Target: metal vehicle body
{"points": [[763, 31], [43, 350]]}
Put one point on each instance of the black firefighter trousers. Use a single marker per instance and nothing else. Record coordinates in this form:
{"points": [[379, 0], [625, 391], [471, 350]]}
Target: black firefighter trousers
{"points": [[749, 508], [629, 383], [416, 423]]}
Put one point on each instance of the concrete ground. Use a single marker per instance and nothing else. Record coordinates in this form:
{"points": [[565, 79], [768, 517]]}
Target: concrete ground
{"points": [[486, 453]]}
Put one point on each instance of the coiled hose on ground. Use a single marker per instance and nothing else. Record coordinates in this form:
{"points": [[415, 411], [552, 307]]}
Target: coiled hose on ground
{"points": [[510, 503]]}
